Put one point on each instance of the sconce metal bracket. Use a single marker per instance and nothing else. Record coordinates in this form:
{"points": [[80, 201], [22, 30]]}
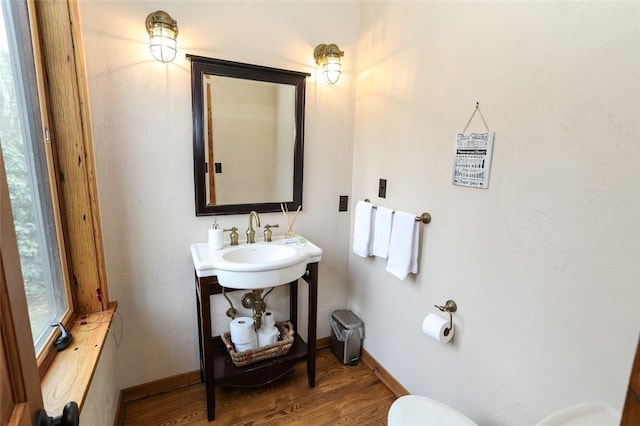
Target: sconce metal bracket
{"points": [[161, 17]]}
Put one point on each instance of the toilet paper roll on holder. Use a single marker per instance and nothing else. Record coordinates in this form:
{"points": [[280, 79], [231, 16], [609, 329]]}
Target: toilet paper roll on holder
{"points": [[449, 307]]}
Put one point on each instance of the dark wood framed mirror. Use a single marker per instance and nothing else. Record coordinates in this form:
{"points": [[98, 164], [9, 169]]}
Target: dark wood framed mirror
{"points": [[248, 136]]}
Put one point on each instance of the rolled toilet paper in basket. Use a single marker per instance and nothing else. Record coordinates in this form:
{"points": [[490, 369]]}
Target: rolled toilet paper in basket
{"points": [[268, 334], [250, 345], [268, 319], [436, 327], [242, 330]]}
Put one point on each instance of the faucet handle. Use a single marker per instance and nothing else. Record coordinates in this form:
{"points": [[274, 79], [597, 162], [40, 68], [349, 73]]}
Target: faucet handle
{"points": [[233, 236], [268, 233]]}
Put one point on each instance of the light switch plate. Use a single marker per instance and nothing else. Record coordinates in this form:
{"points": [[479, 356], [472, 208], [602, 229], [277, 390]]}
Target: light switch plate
{"points": [[382, 188], [343, 204]]}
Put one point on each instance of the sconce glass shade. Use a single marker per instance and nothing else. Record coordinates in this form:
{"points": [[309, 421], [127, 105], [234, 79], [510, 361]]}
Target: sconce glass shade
{"points": [[328, 56], [163, 32]]}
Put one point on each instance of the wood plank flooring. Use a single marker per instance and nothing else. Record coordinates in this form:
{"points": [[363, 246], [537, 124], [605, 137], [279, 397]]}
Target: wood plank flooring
{"points": [[343, 395]]}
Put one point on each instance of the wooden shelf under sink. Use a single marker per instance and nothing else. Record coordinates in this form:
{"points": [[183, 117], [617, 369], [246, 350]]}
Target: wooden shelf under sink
{"points": [[257, 373]]}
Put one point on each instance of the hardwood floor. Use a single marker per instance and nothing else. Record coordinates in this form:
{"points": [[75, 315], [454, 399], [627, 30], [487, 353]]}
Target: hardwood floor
{"points": [[343, 395]]}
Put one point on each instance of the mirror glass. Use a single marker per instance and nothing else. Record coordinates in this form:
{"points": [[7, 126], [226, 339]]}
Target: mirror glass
{"points": [[248, 132]]}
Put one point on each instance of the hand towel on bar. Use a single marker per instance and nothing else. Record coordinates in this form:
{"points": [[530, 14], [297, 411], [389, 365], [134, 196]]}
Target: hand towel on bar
{"points": [[403, 247], [382, 232], [362, 229]]}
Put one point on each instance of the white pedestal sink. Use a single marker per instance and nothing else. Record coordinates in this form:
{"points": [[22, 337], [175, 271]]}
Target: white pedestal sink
{"points": [[256, 266]]}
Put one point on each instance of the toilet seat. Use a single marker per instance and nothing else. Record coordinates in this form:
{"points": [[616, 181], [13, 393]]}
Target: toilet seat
{"points": [[415, 410]]}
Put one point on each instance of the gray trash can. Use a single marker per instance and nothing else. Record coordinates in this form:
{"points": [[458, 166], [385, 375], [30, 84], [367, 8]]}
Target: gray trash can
{"points": [[347, 332]]}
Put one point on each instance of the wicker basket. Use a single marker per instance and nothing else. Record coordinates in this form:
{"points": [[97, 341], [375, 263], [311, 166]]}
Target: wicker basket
{"points": [[281, 347]]}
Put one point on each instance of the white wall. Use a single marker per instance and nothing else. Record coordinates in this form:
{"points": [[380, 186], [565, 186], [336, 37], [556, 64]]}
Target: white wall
{"points": [[141, 121], [101, 403], [544, 265]]}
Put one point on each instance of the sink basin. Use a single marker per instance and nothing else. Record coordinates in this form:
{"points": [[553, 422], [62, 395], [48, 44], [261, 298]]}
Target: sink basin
{"points": [[260, 254], [256, 266]]}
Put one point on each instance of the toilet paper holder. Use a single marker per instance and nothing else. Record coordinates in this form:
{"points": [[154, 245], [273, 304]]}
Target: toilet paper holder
{"points": [[449, 307]]}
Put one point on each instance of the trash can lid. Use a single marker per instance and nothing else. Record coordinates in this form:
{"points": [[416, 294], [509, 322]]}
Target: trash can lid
{"points": [[347, 319]]}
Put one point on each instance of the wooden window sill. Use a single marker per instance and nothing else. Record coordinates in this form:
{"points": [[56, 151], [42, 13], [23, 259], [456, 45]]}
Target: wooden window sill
{"points": [[69, 376]]}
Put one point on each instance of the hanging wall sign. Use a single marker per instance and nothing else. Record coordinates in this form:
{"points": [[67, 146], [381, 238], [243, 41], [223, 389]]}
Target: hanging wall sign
{"points": [[472, 159]]}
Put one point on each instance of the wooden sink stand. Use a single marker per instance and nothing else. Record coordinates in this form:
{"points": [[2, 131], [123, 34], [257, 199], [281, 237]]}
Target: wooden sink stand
{"points": [[216, 366]]}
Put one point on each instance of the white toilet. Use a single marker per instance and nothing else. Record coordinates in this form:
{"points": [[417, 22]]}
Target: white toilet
{"points": [[415, 410], [597, 413]]}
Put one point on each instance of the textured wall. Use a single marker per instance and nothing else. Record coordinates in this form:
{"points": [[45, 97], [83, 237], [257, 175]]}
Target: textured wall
{"points": [[141, 121], [544, 265], [101, 402]]}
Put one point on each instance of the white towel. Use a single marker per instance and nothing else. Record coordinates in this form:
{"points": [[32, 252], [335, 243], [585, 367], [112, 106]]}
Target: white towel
{"points": [[382, 232], [362, 229], [403, 247]]}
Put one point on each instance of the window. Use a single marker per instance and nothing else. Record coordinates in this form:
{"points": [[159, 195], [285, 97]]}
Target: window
{"points": [[23, 149]]}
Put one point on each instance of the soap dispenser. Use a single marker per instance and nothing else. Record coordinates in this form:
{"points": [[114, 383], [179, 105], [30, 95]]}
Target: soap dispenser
{"points": [[216, 241]]}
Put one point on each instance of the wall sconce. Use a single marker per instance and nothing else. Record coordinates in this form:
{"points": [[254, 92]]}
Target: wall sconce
{"points": [[328, 57], [163, 32]]}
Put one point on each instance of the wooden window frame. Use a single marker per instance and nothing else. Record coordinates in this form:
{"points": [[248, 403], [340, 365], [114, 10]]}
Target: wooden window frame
{"points": [[62, 90]]}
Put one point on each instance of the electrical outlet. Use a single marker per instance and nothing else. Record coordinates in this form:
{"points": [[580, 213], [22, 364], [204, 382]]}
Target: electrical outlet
{"points": [[343, 204], [382, 188]]}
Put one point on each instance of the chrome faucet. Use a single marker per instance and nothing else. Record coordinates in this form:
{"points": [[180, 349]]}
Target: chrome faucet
{"points": [[251, 233]]}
